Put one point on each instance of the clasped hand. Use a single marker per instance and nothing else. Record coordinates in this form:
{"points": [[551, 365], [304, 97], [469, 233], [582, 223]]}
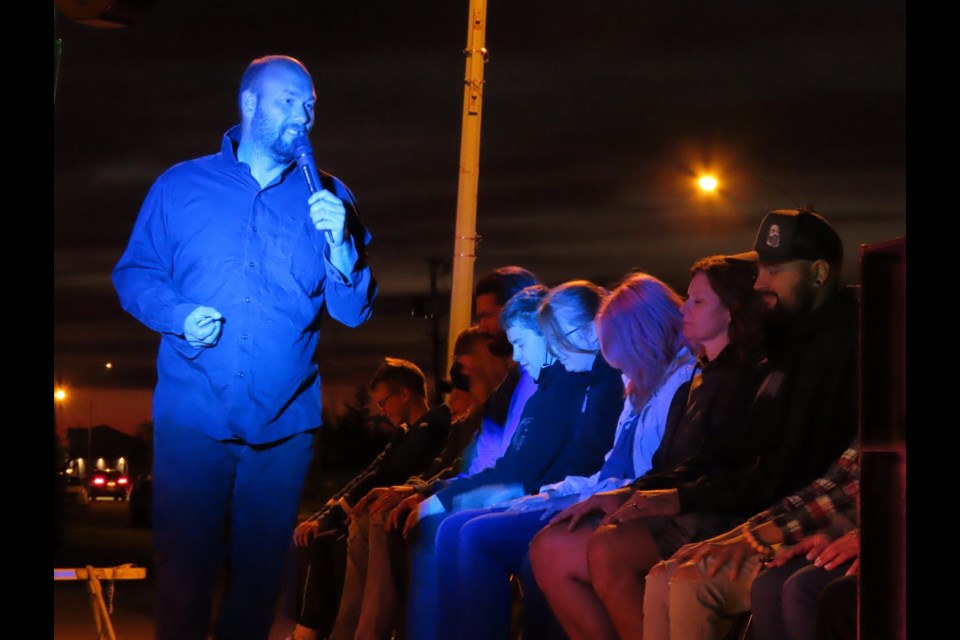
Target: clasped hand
{"points": [[202, 327]]}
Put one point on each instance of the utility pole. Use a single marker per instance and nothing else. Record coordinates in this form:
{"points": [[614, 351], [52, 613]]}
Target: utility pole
{"points": [[90, 432], [465, 240]]}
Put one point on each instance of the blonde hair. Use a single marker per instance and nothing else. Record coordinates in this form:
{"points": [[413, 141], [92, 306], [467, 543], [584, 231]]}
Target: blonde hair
{"points": [[576, 302]]}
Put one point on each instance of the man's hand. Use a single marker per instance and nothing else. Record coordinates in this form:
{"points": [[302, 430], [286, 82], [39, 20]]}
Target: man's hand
{"points": [[686, 552], [201, 328], [391, 497], [413, 519], [644, 504], [328, 214], [305, 532], [839, 551], [732, 552], [398, 516], [377, 498], [605, 502]]}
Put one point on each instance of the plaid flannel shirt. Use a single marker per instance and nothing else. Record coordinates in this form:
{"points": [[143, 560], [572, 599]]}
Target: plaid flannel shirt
{"points": [[815, 506]]}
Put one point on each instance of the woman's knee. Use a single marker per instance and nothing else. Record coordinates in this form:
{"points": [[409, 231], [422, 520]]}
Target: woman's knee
{"points": [[549, 550], [474, 539], [606, 560]]}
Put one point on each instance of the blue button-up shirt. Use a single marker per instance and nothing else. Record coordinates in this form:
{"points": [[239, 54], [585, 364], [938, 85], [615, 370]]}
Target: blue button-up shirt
{"points": [[209, 235]]}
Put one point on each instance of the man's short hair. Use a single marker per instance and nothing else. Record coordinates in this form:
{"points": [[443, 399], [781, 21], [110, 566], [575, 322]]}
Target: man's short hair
{"points": [[521, 310], [396, 373], [504, 282], [469, 339]]}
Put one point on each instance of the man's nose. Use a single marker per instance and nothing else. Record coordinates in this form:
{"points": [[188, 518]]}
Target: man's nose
{"points": [[301, 115]]}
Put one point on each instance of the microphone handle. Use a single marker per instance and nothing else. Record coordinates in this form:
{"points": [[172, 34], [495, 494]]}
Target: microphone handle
{"points": [[313, 184]]}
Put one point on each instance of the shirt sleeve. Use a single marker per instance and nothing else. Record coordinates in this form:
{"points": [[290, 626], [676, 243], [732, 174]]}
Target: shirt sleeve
{"points": [[538, 442], [487, 447], [143, 278], [816, 505], [350, 303], [653, 419]]}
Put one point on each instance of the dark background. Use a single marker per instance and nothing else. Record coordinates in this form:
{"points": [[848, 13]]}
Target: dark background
{"points": [[596, 117]]}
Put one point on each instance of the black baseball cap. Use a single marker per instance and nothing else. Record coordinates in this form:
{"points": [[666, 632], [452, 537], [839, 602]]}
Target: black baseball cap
{"points": [[794, 234]]}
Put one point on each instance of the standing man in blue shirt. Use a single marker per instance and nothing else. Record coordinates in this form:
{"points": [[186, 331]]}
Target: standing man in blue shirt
{"points": [[231, 261]]}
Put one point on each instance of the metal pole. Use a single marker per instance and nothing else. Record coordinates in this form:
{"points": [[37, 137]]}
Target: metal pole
{"points": [[465, 238]]}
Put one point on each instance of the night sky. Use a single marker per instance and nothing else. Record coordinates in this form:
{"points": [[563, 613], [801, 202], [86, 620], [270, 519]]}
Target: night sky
{"points": [[596, 116]]}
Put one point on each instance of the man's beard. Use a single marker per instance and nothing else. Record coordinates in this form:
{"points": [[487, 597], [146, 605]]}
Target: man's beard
{"points": [[781, 317], [270, 138]]}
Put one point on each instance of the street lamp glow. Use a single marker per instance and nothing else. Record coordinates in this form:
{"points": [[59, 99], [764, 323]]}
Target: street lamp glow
{"points": [[59, 394], [707, 183], [109, 365]]}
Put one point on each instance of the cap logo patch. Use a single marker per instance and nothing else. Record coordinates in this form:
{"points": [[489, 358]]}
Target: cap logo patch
{"points": [[773, 236]]}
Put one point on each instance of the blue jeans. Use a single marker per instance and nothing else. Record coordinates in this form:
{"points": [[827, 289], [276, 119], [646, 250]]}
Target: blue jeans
{"points": [[433, 582], [460, 571], [491, 548], [222, 505]]}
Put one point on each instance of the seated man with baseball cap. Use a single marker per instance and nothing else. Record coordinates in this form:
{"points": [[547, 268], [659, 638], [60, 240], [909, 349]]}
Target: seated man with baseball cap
{"points": [[803, 417]]}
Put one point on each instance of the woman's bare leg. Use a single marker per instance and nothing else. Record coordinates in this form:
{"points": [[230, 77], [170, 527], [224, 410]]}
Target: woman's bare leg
{"points": [[618, 559], [559, 559]]}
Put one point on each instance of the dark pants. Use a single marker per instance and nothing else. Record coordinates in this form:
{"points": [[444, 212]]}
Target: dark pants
{"points": [[837, 610], [222, 510], [784, 600], [323, 582]]}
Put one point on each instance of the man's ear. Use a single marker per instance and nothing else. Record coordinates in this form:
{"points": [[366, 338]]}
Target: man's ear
{"points": [[248, 103], [820, 270]]}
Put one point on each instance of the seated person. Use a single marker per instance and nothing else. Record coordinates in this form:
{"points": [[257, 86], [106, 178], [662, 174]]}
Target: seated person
{"points": [[375, 563], [696, 593], [400, 390]]}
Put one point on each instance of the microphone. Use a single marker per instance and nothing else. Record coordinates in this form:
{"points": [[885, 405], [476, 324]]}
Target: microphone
{"points": [[303, 152]]}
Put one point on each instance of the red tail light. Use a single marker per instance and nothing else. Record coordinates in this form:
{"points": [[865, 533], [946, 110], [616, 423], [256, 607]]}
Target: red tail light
{"points": [[98, 481], [122, 480]]}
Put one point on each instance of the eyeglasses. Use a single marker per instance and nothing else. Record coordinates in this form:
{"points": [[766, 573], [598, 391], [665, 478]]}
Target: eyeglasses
{"points": [[380, 403], [571, 332]]}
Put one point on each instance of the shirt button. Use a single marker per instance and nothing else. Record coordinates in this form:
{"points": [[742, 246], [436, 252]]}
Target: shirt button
{"points": [[240, 375], [255, 229], [244, 336], [247, 300], [253, 264]]}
